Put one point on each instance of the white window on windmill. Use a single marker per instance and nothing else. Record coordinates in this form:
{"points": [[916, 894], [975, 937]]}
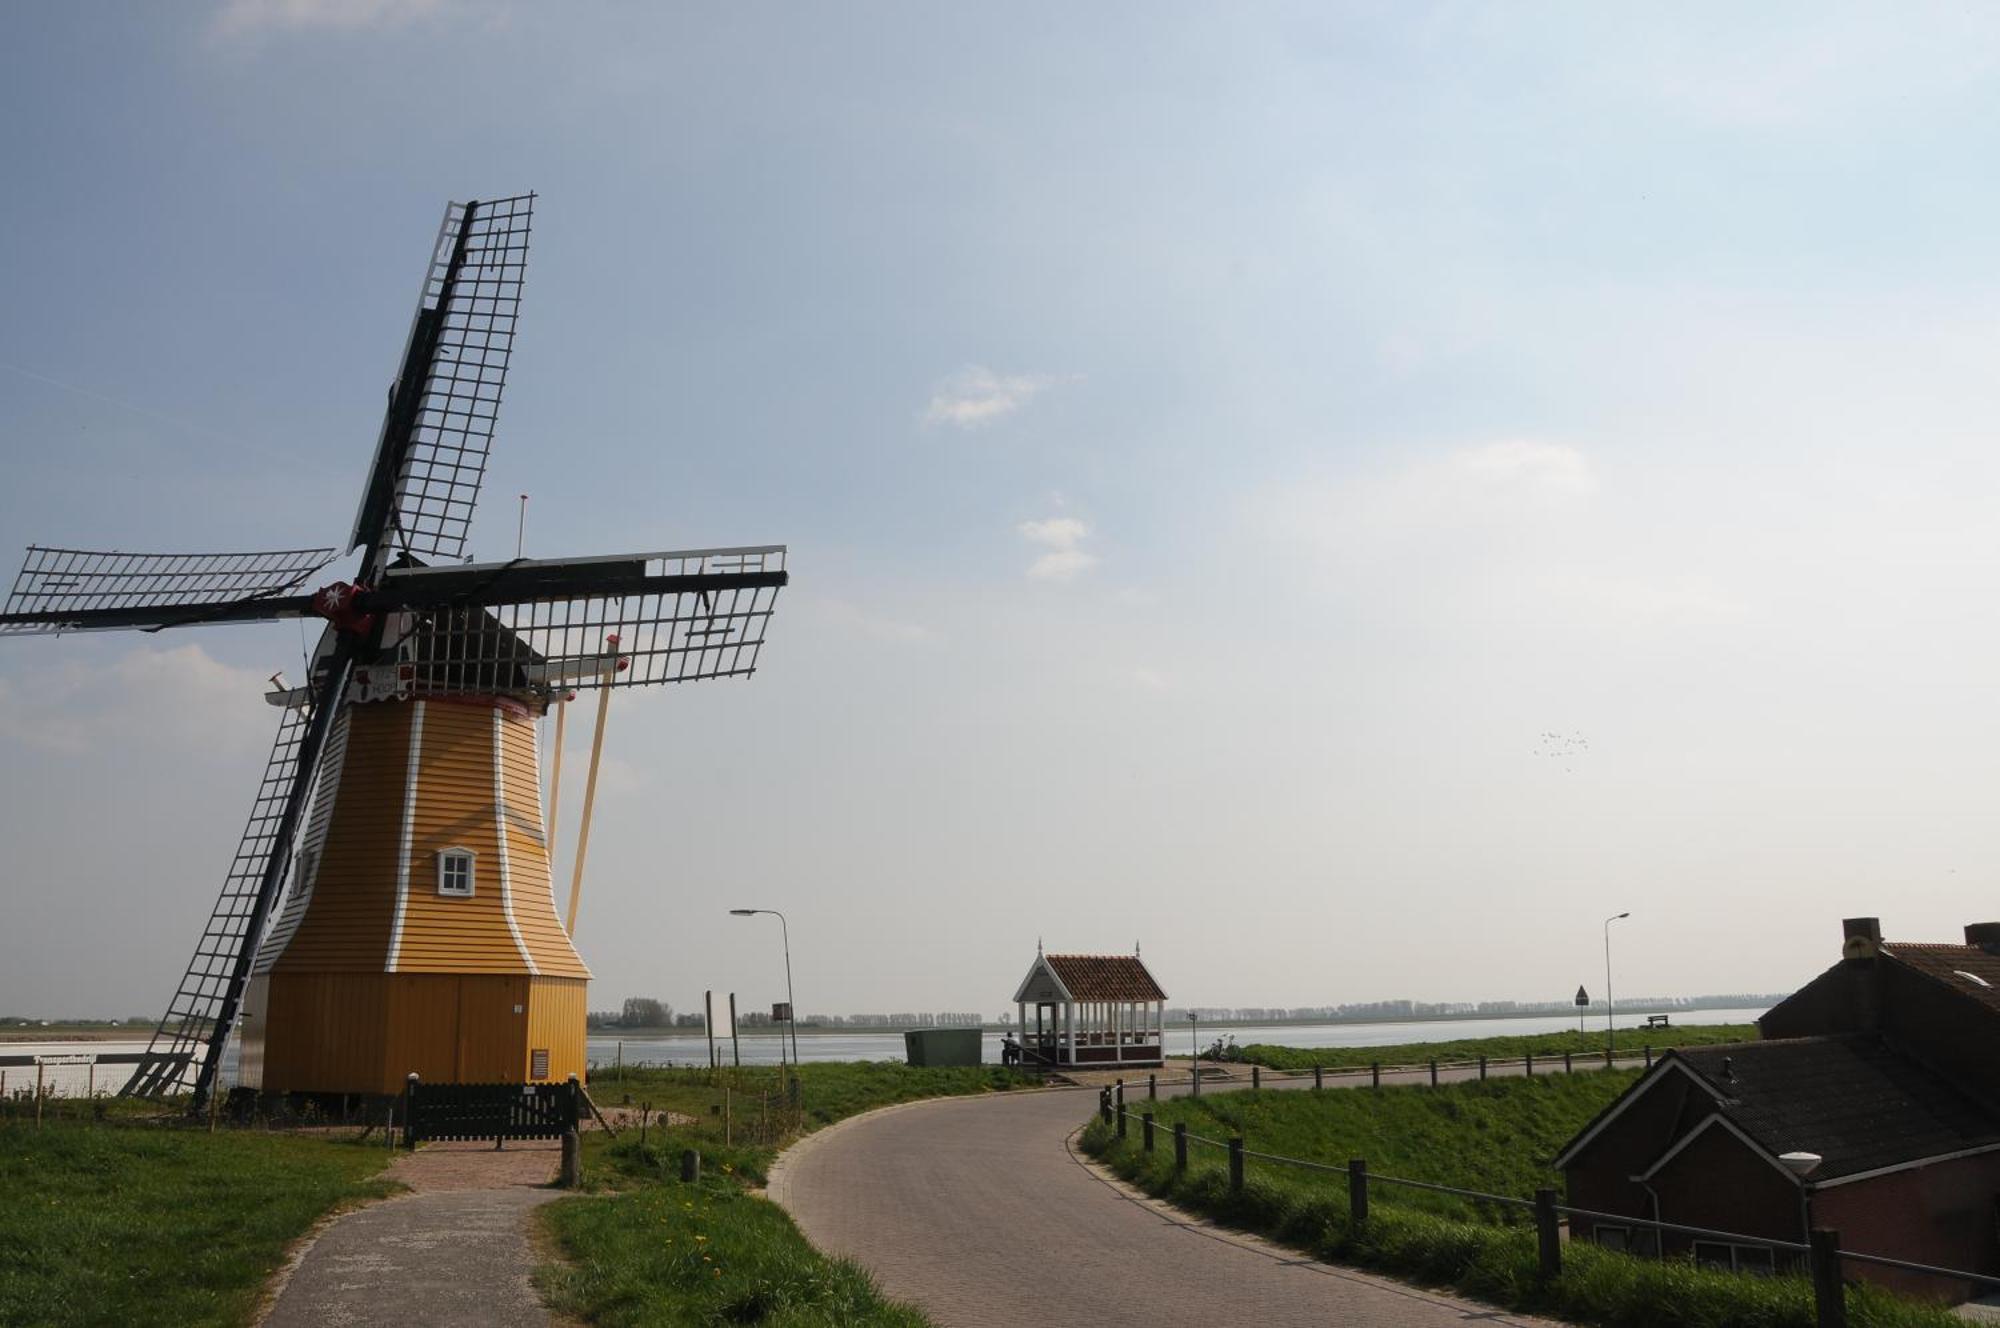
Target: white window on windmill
{"points": [[455, 872]]}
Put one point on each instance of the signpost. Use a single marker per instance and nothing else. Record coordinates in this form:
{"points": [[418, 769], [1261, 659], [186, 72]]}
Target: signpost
{"points": [[1582, 1004]]}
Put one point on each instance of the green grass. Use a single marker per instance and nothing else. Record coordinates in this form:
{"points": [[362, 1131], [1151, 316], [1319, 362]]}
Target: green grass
{"points": [[1498, 1137], [1587, 1048], [147, 1222], [654, 1251]]}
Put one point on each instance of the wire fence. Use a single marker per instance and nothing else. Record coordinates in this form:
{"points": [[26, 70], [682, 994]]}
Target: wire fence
{"points": [[1821, 1255]]}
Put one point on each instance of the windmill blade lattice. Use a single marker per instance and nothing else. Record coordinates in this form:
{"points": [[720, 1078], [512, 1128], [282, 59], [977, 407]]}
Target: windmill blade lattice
{"points": [[439, 431], [74, 590], [625, 621], [213, 982]]}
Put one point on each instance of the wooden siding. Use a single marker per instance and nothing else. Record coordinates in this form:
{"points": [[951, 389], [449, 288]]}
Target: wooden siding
{"points": [[532, 891], [556, 1023], [351, 909], [454, 809]]}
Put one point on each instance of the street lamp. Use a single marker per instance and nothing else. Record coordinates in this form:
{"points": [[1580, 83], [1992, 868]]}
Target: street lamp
{"points": [[785, 933], [1194, 1055], [1610, 1006]]}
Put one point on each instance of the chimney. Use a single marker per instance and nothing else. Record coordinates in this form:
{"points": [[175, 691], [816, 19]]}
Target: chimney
{"points": [[1985, 935], [1862, 937]]}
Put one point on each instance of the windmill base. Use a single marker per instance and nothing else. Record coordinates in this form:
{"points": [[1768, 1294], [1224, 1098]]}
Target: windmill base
{"points": [[366, 1033]]}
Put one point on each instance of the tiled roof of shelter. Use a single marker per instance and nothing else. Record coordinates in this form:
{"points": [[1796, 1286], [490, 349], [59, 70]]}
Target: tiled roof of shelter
{"points": [[1850, 1099], [1106, 978], [1966, 969]]}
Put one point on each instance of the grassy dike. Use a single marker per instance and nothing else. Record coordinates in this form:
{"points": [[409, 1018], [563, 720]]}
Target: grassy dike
{"points": [[1498, 1137], [128, 1221], [1586, 1048], [646, 1249]]}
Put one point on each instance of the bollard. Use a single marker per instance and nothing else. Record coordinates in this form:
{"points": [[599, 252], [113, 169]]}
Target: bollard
{"points": [[1607, 1058], [1357, 1190], [1180, 1147], [410, 1110], [1434, 1072], [1528, 1061], [1122, 1118], [1152, 1087], [1119, 1100], [1319, 1077], [1829, 1297], [1482, 1067], [1548, 1235], [572, 1160], [1104, 1105], [1146, 1121], [690, 1165], [1236, 1166], [1649, 1057], [1256, 1077], [1567, 1068], [1374, 1074]]}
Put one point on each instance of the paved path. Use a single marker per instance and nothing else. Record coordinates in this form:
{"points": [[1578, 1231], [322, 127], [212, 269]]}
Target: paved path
{"points": [[978, 1210], [453, 1253]]}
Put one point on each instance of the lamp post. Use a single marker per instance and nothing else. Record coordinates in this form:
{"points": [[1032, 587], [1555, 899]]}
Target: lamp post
{"points": [[785, 933], [1194, 1055], [1610, 1006]]}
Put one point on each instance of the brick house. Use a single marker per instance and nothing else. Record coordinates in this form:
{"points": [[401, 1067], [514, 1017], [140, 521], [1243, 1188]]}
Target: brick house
{"points": [[1868, 1108]]}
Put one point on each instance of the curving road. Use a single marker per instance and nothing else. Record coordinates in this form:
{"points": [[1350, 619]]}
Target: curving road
{"points": [[979, 1211]]}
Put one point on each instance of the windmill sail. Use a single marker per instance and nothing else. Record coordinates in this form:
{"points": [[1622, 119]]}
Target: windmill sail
{"points": [[74, 590], [675, 617], [431, 458], [187, 1036]]}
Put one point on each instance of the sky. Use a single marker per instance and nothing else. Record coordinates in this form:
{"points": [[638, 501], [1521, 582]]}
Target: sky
{"points": [[1347, 497]]}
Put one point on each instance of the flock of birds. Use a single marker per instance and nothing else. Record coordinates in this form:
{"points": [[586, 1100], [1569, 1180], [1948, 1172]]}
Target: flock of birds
{"points": [[1564, 747]]}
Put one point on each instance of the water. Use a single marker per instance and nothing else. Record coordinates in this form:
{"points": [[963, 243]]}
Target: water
{"points": [[762, 1047]]}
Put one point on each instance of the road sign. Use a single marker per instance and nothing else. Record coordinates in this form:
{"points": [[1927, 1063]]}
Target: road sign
{"points": [[1582, 997], [781, 1013]]}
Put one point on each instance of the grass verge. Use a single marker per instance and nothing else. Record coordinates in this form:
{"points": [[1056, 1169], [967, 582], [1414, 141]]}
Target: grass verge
{"points": [[1492, 1136], [651, 1250], [123, 1221], [1586, 1048]]}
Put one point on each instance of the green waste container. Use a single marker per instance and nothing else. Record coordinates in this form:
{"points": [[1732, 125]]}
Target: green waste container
{"points": [[941, 1046]]}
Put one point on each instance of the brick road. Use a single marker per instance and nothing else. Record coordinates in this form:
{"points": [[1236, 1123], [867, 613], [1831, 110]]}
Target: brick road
{"points": [[978, 1210]]}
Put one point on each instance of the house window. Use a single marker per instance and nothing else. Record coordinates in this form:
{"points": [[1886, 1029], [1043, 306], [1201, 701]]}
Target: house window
{"points": [[1733, 1258], [1613, 1238], [455, 872]]}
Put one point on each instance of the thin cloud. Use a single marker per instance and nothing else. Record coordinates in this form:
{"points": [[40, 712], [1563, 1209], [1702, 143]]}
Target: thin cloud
{"points": [[242, 18], [1062, 538], [976, 396]]}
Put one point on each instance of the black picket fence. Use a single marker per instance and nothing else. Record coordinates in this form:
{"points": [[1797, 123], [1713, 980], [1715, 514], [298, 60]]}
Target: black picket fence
{"points": [[489, 1111]]}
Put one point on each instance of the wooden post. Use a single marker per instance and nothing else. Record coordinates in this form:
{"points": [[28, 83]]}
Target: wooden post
{"points": [[1434, 1072], [1152, 1088], [572, 1160], [1180, 1148], [1121, 1109], [1104, 1105], [1567, 1067], [1236, 1165], [618, 1064], [589, 793], [1528, 1060], [1256, 1077], [1374, 1074], [690, 1166], [409, 1110], [1649, 1057], [1147, 1132], [1482, 1068], [726, 1124], [38, 1095], [1319, 1077], [1357, 1190], [1548, 1235], [555, 777], [1829, 1296]]}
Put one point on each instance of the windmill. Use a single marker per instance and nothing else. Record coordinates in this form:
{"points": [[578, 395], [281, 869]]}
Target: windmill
{"points": [[390, 906]]}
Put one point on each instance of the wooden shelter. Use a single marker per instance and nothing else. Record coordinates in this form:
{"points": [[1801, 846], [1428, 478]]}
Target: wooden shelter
{"points": [[1098, 1011]]}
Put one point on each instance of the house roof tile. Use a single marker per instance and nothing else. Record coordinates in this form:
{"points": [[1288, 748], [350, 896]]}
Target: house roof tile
{"points": [[1851, 1099], [1966, 969], [1106, 978]]}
